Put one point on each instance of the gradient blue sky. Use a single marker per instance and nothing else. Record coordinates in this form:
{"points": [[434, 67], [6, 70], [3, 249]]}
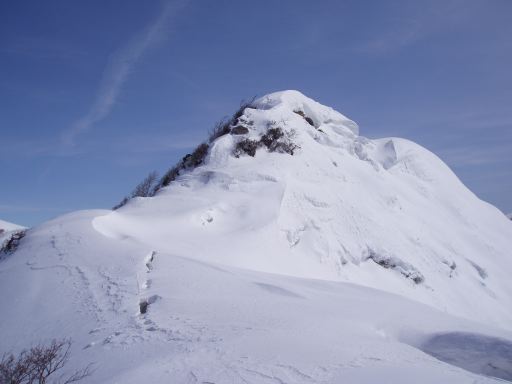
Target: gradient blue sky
{"points": [[95, 94]]}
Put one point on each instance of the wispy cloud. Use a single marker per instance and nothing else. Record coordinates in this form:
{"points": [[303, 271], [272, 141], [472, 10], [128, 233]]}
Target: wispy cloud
{"points": [[474, 155], [402, 34], [413, 24], [7, 208], [132, 145], [117, 72]]}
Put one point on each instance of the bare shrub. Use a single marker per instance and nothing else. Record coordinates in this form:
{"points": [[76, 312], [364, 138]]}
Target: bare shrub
{"points": [[271, 138], [276, 140], [122, 203], [220, 128], [13, 242], [246, 146], [223, 127], [197, 157], [149, 187], [41, 365], [170, 176], [243, 105], [145, 187]]}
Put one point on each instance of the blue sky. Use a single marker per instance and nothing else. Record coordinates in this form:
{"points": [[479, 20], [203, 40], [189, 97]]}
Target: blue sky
{"points": [[96, 94]]}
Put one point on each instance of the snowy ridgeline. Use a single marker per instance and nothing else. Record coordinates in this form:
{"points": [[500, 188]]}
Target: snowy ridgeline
{"points": [[9, 235], [344, 260]]}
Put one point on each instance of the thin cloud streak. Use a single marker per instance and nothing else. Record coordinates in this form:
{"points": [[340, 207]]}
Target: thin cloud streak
{"points": [[131, 145], [117, 73], [7, 208], [474, 156]]}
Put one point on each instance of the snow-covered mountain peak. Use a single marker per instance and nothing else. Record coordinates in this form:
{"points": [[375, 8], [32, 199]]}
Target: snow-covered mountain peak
{"points": [[291, 122], [288, 104], [384, 213]]}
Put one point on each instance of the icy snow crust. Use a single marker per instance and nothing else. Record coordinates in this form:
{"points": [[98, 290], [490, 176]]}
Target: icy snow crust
{"points": [[338, 264]]}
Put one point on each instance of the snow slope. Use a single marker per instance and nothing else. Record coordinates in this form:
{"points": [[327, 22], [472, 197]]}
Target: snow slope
{"points": [[6, 226], [214, 323], [7, 229], [335, 210], [354, 260]]}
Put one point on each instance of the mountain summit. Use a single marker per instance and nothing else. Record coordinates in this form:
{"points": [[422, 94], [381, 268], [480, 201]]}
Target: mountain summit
{"points": [[287, 248]]}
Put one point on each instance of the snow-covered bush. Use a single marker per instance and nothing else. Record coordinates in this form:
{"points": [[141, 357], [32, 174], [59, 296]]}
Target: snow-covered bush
{"points": [[394, 263]]}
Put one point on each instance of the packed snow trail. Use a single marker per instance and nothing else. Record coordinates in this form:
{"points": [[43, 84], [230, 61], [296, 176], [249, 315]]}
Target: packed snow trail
{"points": [[211, 322]]}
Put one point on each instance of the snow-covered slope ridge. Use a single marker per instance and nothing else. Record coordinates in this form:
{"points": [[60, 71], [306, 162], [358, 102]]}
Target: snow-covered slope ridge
{"points": [[383, 213], [6, 226], [6, 231]]}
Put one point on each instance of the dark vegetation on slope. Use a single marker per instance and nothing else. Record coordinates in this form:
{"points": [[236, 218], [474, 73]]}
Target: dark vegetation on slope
{"points": [[308, 119], [12, 243], [40, 365], [151, 185], [275, 140], [389, 262]]}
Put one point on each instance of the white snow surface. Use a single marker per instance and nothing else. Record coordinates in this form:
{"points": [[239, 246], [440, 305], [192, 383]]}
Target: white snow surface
{"points": [[6, 226], [337, 264]]}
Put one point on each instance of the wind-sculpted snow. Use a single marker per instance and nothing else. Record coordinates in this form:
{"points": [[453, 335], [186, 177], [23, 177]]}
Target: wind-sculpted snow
{"points": [[334, 265], [315, 214], [205, 322]]}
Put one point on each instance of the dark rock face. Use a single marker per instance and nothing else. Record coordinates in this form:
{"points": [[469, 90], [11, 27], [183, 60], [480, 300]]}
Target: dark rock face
{"points": [[12, 243], [239, 130]]}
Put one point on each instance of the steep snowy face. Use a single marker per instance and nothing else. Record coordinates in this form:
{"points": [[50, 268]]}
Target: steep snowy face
{"points": [[293, 189]]}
